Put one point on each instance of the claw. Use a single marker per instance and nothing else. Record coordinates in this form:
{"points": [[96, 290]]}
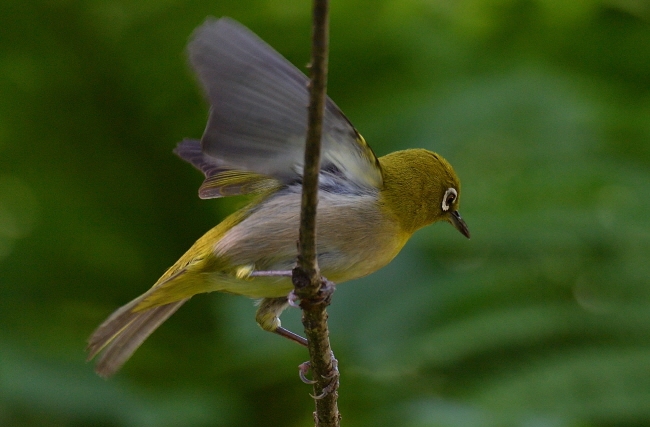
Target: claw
{"points": [[334, 371], [319, 397], [333, 378], [303, 368], [292, 298], [331, 387]]}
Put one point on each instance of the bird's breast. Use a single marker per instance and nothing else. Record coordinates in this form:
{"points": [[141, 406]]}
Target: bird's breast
{"points": [[354, 237]]}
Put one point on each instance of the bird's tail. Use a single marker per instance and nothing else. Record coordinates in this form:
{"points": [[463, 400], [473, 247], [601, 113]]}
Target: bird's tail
{"points": [[126, 329], [123, 332]]}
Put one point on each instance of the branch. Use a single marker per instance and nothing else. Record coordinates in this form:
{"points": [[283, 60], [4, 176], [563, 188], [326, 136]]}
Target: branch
{"points": [[314, 291]]}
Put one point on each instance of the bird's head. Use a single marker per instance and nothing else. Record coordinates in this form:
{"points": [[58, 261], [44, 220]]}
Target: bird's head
{"points": [[421, 188]]}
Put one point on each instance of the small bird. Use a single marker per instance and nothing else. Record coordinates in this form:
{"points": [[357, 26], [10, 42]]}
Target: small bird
{"points": [[368, 207]]}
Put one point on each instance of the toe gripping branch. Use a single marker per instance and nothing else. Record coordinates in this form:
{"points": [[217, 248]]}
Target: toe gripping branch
{"points": [[332, 378], [323, 364]]}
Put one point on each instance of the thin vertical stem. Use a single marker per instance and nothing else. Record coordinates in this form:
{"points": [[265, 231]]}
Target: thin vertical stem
{"points": [[313, 291]]}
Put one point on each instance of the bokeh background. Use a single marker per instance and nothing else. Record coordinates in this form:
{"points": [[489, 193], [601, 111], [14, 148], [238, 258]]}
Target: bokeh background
{"points": [[542, 319]]}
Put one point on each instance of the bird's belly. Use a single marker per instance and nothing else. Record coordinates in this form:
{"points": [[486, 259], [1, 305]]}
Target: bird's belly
{"points": [[336, 264], [353, 240], [366, 257]]}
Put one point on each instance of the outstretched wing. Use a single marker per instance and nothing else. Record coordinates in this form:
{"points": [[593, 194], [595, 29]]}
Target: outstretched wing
{"points": [[220, 179], [258, 115]]}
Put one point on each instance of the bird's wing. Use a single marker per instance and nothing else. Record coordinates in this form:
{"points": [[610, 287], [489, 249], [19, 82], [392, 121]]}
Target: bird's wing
{"points": [[258, 117], [220, 179]]}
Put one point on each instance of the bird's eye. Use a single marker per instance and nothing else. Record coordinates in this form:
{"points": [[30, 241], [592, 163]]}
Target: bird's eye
{"points": [[449, 198]]}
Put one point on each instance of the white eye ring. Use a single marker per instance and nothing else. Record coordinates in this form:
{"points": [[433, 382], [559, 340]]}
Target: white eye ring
{"points": [[449, 198]]}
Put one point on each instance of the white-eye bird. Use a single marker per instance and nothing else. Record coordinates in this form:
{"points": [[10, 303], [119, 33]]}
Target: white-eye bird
{"points": [[368, 207]]}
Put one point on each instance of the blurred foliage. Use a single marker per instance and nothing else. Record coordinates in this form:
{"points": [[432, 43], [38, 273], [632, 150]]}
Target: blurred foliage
{"points": [[541, 320]]}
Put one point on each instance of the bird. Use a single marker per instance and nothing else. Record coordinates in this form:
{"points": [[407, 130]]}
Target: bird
{"points": [[253, 143]]}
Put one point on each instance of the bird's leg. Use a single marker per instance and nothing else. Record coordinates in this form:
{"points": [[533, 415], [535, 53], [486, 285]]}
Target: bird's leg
{"points": [[268, 313], [283, 332], [271, 273], [268, 317]]}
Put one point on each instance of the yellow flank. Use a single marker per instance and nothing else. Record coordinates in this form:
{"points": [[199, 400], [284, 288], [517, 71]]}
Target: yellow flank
{"points": [[183, 279]]}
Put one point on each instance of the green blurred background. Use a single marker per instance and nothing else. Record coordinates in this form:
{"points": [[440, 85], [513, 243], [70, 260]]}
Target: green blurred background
{"points": [[542, 319]]}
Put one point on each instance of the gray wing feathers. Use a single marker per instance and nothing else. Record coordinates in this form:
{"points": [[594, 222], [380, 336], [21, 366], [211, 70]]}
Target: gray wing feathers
{"points": [[258, 115], [190, 151], [258, 99]]}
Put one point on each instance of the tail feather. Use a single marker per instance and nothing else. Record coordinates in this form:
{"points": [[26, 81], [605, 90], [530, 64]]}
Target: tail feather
{"points": [[124, 331], [112, 326]]}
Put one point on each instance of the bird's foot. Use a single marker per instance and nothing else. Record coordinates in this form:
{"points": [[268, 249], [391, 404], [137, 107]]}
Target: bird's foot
{"points": [[292, 298], [322, 297], [332, 377], [303, 368]]}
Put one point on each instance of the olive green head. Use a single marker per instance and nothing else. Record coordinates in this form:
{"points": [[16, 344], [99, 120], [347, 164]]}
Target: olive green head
{"points": [[420, 188]]}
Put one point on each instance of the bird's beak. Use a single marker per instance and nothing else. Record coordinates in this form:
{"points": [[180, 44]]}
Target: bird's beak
{"points": [[459, 224]]}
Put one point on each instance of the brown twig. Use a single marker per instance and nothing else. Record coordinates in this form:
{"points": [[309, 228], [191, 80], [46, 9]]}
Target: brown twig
{"points": [[313, 291]]}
